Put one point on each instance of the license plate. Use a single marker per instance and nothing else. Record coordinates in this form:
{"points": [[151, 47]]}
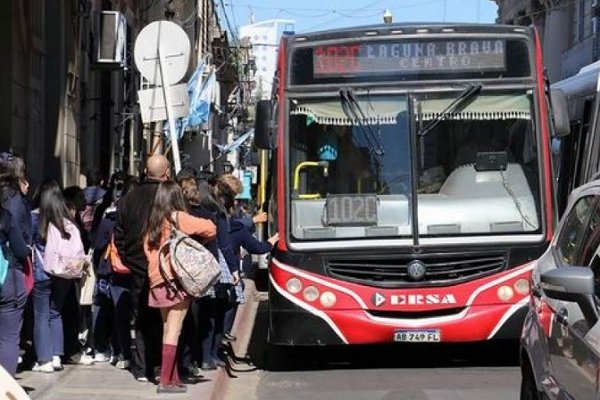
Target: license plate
{"points": [[418, 336]]}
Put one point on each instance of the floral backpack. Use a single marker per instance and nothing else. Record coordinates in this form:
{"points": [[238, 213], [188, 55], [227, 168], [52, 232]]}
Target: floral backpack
{"points": [[196, 269]]}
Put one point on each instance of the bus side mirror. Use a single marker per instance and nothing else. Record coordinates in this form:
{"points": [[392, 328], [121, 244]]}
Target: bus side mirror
{"points": [[262, 124], [560, 111]]}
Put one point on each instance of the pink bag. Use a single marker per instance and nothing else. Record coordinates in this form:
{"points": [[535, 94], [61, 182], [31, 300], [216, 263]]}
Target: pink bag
{"points": [[28, 276]]}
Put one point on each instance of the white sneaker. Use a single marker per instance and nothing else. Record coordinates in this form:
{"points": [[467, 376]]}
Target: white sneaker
{"points": [[101, 357], [123, 364], [85, 360], [46, 367], [56, 363]]}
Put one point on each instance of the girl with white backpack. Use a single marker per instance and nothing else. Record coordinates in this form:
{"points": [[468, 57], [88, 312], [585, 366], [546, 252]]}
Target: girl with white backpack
{"points": [[65, 261]]}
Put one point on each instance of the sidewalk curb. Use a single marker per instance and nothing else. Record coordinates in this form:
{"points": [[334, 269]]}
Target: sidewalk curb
{"points": [[242, 329]]}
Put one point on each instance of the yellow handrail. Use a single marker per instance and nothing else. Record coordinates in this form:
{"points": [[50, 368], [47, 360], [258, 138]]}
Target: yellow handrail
{"points": [[299, 167]]}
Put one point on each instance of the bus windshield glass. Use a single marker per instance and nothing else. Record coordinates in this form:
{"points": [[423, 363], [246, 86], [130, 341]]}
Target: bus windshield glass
{"points": [[352, 156]]}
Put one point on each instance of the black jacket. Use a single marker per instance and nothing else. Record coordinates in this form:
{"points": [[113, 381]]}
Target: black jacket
{"points": [[16, 227], [102, 238], [134, 211], [222, 242]]}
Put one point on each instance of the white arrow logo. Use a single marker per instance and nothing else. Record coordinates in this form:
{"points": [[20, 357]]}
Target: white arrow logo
{"points": [[378, 299]]}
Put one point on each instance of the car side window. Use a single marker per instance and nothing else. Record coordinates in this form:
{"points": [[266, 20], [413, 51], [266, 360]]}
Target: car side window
{"points": [[590, 248], [575, 231]]}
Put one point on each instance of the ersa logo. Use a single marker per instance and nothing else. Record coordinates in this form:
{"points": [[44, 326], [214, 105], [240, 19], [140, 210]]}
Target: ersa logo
{"points": [[413, 299]]}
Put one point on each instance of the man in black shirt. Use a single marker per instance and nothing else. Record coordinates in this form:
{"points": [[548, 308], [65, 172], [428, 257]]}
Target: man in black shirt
{"points": [[133, 213]]}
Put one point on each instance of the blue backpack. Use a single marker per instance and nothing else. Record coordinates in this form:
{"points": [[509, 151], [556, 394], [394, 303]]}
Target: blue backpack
{"points": [[3, 268]]}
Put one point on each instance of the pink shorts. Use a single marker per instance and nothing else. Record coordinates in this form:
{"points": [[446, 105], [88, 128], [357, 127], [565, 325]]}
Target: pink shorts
{"points": [[163, 296]]}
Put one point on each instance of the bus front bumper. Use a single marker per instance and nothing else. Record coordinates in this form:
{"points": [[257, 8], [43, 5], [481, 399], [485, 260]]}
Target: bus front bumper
{"points": [[467, 312]]}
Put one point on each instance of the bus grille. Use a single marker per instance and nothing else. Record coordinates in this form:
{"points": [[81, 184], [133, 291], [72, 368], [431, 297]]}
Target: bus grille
{"points": [[440, 269]]}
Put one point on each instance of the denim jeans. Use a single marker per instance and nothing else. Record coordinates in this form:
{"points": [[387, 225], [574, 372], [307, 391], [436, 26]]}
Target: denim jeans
{"points": [[59, 289], [102, 313], [120, 293], [12, 303], [211, 318], [43, 326]]}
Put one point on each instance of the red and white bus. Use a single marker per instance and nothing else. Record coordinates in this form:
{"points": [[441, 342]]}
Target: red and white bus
{"points": [[410, 183]]}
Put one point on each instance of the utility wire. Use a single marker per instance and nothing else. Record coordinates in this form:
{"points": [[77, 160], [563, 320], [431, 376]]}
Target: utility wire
{"points": [[231, 31]]}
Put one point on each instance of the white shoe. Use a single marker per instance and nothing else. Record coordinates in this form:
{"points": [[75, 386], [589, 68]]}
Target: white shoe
{"points": [[123, 364], [56, 363], [46, 367], [85, 360], [101, 357]]}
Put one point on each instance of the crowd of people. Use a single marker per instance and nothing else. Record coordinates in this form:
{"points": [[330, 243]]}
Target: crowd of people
{"points": [[129, 308]]}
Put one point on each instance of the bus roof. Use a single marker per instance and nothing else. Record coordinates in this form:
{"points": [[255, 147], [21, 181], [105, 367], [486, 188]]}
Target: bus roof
{"points": [[433, 27], [578, 87]]}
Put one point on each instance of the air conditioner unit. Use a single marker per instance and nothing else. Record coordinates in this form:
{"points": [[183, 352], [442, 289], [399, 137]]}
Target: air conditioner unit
{"points": [[111, 39]]}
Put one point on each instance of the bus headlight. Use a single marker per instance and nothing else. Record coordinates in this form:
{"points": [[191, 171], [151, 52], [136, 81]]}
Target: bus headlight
{"points": [[505, 293], [328, 299], [522, 286], [294, 285], [311, 293]]}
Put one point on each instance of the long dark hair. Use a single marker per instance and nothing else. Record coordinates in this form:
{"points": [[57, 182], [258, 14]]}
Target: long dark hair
{"points": [[207, 199], [53, 210], [12, 171], [168, 198]]}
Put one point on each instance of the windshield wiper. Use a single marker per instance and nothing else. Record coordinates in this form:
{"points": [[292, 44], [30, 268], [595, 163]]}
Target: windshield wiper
{"points": [[458, 104], [352, 110]]}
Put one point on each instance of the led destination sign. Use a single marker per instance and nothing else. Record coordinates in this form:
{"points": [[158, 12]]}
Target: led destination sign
{"points": [[409, 57]]}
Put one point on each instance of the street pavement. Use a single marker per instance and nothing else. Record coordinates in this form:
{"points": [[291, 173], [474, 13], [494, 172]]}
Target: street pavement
{"points": [[427, 372], [101, 382]]}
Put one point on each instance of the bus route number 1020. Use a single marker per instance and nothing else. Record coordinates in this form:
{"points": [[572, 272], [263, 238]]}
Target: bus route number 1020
{"points": [[351, 210]]}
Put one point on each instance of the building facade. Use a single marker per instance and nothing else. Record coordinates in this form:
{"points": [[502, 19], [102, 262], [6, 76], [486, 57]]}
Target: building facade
{"points": [[264, 40], [66, 111], [568, 28]]}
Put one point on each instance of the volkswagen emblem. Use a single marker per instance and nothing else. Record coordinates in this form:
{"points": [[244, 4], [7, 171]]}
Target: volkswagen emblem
{"points": [[416, 270]]}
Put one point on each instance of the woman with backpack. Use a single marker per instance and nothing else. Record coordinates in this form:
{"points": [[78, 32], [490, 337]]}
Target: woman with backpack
{"points": [[43, 324], [15, 236], [63, 259], [169, 210]]}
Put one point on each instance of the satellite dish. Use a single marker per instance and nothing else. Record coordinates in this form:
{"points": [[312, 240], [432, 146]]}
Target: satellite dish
{"points": [[171, 40]]}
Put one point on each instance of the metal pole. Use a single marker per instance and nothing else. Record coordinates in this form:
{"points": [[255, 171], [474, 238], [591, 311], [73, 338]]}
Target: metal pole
{"points": [[167, 94]]}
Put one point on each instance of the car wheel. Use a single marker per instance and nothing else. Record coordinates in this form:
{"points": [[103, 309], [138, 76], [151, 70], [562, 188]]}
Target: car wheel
{"points": [[529, 389]]}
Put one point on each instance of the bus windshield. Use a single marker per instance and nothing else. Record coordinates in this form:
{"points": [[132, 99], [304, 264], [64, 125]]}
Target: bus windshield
{"points": [[358, 162]]}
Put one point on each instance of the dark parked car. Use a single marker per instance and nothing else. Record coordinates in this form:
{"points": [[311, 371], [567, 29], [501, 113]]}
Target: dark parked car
{"points": [[560, 344]]}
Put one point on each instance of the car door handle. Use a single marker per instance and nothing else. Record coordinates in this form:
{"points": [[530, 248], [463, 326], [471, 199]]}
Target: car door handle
{"points": [[562, 316]]}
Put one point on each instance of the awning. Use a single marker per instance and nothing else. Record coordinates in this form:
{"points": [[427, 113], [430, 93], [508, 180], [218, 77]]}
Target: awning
{"points": [[377, 110], [483, 108]]}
